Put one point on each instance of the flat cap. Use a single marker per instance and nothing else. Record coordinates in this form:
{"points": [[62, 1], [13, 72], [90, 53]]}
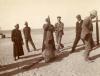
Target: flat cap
{"points": [[26, 23], [58, 16], [78, 16]]}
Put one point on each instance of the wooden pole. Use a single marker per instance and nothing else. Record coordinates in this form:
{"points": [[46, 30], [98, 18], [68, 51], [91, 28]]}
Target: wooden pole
{"points": [[97, 30]]}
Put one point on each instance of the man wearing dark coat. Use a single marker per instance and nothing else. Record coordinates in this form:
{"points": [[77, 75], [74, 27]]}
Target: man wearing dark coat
{"points": [[17, 40], [78, 32], [59, 32], [28, 38], [48, 47], [86, 34]]}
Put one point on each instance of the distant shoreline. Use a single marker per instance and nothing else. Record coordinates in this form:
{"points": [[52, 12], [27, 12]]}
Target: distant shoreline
{"points": [[7, 33], [66, 28]]}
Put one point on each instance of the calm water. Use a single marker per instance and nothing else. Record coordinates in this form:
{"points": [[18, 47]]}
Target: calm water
{"points": [[69, 31], [34, 31]]}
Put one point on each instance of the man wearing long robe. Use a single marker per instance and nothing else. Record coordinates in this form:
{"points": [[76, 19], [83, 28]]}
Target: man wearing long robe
{"points": [[17, 40], [48, 47]]}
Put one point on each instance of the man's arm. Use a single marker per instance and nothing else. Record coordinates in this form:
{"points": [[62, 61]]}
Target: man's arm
{"points": [[12, 35], [24, 31], [76, 27], [55, 28], [85, 25], [21, 37], [63, 28]]}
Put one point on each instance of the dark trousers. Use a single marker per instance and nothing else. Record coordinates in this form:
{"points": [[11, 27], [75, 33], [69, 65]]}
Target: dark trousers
{"points": [[32, 43], [76, 42], [89, 44]]}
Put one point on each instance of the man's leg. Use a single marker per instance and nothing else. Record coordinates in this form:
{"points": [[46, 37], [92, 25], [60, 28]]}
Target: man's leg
{"points": [[60, 44], [32, 43], [88, 47], [57, 40], [56, 37], [83, 41], [75, 44], [87, 50], [27, 46], [92, 42]]}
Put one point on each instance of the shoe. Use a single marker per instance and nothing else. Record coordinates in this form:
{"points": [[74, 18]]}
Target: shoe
{"points": [[29, 51], [62, 46], [35, 50], [72, 51]]}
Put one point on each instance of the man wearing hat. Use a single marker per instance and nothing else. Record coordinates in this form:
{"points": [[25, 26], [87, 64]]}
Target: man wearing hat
{"points": [[59, 32], [78, 32], [28, 38], [17, 40], [86, 34], [48, 47]]}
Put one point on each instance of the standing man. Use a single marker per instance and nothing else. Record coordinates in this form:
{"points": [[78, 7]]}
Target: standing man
{"points": [[17, 40], [59, 32], [86, 34], [48, 47], [28, 38], [78, 32]]}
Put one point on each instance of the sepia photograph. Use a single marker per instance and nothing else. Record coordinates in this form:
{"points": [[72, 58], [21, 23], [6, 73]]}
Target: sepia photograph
{"points": [[49, 38]]}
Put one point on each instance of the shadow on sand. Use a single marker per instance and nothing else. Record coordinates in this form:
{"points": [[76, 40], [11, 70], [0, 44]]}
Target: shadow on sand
{"points": [[96, 56], [18, 67]]}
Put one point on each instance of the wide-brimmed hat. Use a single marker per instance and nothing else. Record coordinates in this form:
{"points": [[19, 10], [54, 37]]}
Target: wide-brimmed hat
{"points": [[17, 25], [93, 12]]}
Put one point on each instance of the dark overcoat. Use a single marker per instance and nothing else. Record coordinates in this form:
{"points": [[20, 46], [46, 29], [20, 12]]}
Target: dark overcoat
{"points": [[48, 38], [78, 28], [17, 40]]}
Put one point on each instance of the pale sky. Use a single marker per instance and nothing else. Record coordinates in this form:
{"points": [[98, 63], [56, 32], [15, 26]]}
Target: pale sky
{"points": [[35, 11]]}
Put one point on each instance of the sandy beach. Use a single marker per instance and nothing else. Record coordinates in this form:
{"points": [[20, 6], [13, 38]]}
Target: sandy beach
{"points": [[64, 65]]}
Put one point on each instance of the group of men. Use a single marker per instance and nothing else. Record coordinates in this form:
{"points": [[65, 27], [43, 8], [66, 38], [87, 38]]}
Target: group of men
{"points": [[18, 40], [84, 29]]}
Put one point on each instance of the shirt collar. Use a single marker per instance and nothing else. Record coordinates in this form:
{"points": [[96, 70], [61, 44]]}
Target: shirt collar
{"points": [[79, 21]]}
